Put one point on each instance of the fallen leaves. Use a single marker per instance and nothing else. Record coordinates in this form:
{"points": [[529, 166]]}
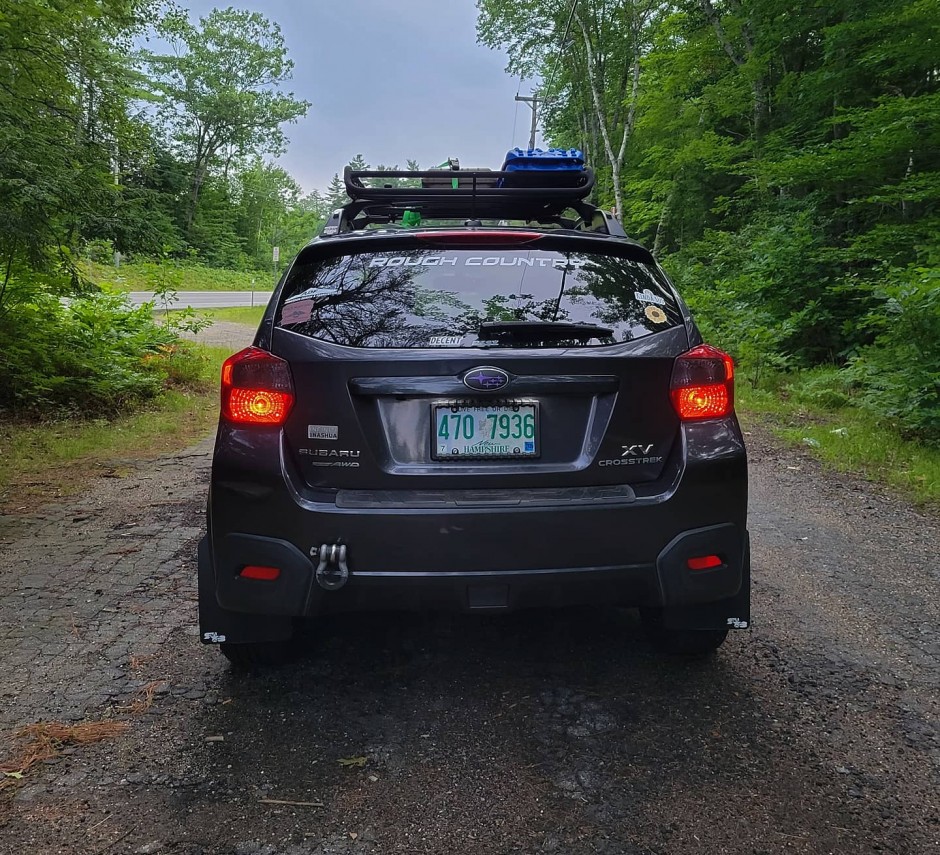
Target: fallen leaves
{"points": [[46, 739], [143, 699], [352, 762]]}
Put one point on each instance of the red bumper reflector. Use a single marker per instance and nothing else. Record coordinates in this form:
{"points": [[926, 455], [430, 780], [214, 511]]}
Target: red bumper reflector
{"points": [[265, 574], [704, 562]]}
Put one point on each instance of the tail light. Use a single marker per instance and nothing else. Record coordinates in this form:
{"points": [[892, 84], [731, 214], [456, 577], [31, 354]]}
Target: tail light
{"points": [[256, 388], [703, 384]]}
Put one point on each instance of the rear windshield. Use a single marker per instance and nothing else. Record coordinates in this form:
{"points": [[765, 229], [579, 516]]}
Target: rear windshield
{"points": [[477, 298]]}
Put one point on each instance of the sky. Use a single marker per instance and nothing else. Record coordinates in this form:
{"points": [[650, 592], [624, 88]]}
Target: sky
{"points": [[392, 81]]}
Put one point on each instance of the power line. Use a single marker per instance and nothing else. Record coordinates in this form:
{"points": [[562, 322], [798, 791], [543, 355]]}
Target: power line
{"points": [[515, 118], [561, 47]]}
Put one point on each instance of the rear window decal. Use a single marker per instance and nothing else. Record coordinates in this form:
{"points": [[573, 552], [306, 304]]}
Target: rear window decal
{"points": [[647, 296], [412, 298], [297, 311], [488, 261]]}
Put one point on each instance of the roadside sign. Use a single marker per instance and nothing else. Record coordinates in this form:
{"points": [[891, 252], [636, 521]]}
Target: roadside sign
{"points": [[276, 254]]}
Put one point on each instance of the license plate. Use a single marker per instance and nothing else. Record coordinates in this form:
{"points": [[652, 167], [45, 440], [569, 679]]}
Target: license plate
{"points": [[484, 431]]}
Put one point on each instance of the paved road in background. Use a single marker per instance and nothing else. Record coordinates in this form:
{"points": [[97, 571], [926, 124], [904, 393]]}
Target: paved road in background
{"points": [[207, 299]]}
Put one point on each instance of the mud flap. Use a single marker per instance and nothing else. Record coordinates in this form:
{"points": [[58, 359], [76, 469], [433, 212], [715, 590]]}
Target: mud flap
{"points": [[731, 613], [217, 625]]}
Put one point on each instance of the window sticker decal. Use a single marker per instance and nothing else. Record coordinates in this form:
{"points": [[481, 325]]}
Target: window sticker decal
{"points": [[297, 312], [647, 296]]}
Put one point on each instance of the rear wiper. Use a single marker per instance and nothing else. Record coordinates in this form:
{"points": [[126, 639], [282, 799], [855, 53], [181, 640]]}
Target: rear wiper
{"points": [[540, 330]]}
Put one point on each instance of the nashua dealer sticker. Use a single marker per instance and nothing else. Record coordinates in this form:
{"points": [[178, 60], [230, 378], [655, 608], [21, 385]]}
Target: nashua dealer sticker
{"points": [[322, 432]]}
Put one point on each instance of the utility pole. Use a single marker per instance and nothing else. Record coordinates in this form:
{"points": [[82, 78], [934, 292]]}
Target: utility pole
{"points": [[533, 102]]}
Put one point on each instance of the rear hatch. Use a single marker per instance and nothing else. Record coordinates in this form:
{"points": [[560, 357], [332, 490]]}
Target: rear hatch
{"points": [[475, 360]]}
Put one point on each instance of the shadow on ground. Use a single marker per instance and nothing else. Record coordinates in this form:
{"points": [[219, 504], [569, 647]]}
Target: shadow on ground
{"points": [[533, 732]]}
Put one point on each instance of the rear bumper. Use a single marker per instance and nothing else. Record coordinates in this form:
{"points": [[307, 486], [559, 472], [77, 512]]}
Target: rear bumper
{"points": [[405, 551], [666, 581]]}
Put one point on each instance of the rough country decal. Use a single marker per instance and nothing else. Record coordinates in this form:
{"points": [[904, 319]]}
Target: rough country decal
{"points": [[477, 261]]}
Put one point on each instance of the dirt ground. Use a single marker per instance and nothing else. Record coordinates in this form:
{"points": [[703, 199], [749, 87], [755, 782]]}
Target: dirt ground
{"points": [[814, 732]]}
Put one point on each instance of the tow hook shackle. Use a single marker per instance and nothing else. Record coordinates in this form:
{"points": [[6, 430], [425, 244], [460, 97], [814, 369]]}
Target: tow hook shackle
{"points": [[332, 572]]}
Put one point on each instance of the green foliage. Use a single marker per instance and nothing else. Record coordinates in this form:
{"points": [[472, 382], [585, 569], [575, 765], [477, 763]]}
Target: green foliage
{"points": [[221, 101], [95, 356], [88, 176], [188, 276], [900, 372], [65, 84], [783, 161], [56, 456], [806, 408]]}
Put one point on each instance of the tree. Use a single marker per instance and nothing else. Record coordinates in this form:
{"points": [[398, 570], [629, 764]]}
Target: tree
{"points": [[221, 98], [265, 195], [598, 70], [65, 83], [336, 193], [783, 161]]}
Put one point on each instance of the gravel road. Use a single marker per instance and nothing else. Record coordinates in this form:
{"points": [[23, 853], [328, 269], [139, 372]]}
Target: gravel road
{"points": [[815, 732]]}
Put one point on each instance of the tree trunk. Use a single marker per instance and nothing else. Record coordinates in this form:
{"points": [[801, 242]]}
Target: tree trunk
{"points": [[905, 205], [664, 217], [601, 121], [758, 88]]}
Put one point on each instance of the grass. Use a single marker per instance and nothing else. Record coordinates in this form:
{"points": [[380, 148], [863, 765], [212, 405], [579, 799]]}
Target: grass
{"points": [[250, 315], [844, 436], [50, 460], [145, 275]]}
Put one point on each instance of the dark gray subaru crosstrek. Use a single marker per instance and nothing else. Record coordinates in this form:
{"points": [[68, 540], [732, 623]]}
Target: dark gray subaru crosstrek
{"points": [[516, 411]]}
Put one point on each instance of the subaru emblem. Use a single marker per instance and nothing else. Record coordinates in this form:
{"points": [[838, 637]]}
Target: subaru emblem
{"points": [[486, 379]]}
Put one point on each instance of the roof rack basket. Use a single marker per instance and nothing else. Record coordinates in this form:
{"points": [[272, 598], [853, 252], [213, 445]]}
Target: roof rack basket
{"points": [[469, 195], [472, 184]]}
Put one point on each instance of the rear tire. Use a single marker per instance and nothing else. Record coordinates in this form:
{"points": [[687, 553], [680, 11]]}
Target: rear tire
{"points": [[259, 655], [693, 643]]}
